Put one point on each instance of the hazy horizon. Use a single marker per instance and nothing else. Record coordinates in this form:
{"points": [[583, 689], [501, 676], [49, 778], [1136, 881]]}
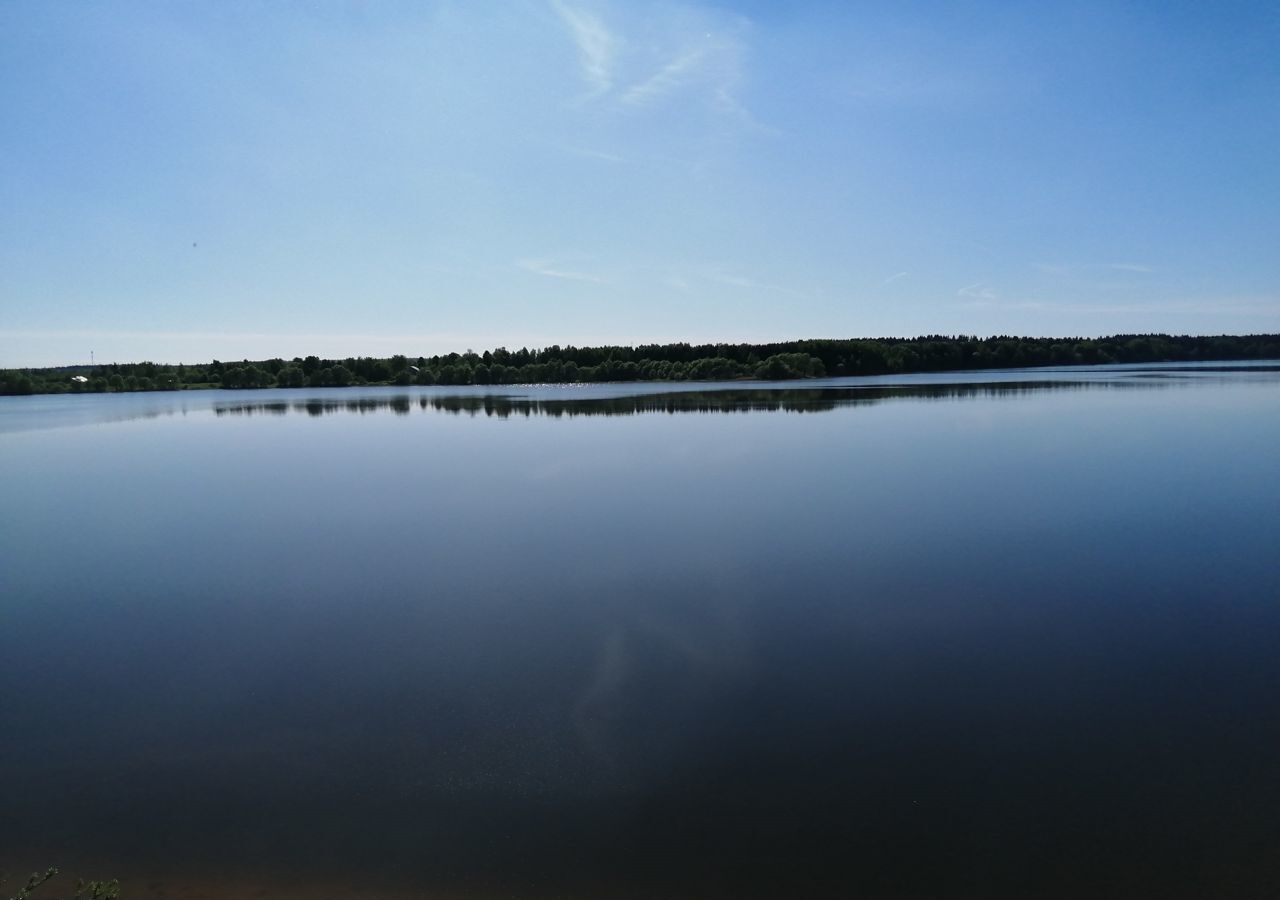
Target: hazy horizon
{"points": [[517, 345]]}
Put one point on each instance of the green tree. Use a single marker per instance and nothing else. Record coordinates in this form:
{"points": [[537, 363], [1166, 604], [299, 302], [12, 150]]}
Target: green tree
{"points": [[774, 368], [17, 383]]}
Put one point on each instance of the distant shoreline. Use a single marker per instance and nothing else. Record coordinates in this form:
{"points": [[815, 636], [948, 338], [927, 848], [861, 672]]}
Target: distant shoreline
{"points": [[678, 362]]}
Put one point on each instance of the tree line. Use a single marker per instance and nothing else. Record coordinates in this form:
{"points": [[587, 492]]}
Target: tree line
{"points": [[650, 362]]}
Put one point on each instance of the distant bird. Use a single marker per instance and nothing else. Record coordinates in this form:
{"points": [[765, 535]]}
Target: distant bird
{"points": [[193, 243]]}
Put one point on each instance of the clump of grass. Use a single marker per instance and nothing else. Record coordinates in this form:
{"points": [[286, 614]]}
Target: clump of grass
{"points": [[85, 890]]}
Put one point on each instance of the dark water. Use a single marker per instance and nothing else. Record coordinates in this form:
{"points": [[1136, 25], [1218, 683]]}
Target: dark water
{"points": [[1009, 635]]}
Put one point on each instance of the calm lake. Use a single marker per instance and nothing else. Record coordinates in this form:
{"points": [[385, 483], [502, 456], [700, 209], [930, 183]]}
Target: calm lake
{"points": [[989, 635]]}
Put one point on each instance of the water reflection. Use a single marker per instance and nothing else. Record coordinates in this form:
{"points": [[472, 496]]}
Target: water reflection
{"points": [[19, 414], [730, 400], [968, 652]]}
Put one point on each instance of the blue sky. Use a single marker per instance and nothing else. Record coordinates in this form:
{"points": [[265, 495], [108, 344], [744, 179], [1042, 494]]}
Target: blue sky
{"points": [[186, 181]]}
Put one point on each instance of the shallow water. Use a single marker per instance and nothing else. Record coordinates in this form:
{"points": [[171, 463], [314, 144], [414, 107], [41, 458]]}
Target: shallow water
{"points": [[1002, 634]]}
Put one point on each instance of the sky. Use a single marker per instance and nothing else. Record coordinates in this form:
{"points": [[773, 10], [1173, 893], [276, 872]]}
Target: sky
{"points": [[187, 181]]}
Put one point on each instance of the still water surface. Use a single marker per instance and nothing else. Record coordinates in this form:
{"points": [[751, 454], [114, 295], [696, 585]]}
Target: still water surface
{"points": [[986, 635]]}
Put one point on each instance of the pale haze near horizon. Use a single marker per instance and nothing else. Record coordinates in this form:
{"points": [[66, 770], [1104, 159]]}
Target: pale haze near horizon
{"points": [[183, 182]]}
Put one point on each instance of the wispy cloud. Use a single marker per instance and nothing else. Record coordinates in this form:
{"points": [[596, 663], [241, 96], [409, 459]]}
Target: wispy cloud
{"points": [[1053, 268], [596, 45], [706, 64], [892, 278], [667, 79], [549, 269], [682, 52], [734, 279], [979, 290]]}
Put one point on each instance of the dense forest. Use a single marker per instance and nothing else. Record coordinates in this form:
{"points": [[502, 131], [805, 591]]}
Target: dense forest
{"points": [[650, 362]]}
